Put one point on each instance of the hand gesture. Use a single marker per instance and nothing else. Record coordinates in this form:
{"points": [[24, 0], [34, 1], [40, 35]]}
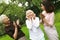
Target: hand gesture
{"points": [[14, 24], [42, 16], [17, 22]]}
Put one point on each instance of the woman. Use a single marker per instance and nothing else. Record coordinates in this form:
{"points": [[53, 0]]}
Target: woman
{"points": [[32, 23], [47, 17], [13, 29]]}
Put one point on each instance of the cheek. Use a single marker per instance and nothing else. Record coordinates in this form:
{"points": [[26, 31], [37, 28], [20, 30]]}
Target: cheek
{"points": [[5, 21], [42, 8], [30, 16]]}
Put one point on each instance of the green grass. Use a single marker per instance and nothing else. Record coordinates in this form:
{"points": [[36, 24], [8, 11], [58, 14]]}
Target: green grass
{"points": [[58, 28], [5, 37], [25, 30]]}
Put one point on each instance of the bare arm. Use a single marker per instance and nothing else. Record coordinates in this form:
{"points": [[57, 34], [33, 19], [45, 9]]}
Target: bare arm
{"points": [[41, 18], [16, 31], [51, 20]]}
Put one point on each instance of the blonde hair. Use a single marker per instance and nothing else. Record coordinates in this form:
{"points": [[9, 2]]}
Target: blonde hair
{"points": [[29, 12], [2, 17]]}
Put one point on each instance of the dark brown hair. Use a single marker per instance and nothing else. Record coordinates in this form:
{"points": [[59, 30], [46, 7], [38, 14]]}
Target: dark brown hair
{"points": [[49, 7]]}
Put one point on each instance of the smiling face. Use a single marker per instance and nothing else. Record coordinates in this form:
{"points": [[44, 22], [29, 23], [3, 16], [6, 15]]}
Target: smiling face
{"points": [[47, 6], [30, 14], [6, 20], [42, 7]]}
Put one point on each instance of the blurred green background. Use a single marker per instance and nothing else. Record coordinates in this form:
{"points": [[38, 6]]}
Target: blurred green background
{"points": [[17, 8]]}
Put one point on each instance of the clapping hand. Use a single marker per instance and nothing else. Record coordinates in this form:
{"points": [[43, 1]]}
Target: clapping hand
{"points": [[17, 22], [42, 16], [14, 24]]}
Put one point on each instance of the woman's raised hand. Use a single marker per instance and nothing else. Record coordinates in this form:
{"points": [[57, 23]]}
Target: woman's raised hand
{"points": [[42, 16]]}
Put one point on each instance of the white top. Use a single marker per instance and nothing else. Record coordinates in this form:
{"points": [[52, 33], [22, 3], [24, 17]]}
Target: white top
{"points": [[49, 17], [34, 30]]}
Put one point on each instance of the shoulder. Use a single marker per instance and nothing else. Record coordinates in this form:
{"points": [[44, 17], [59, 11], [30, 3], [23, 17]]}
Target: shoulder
{"points": [[52, 13], [43, 12], [27, 21]]}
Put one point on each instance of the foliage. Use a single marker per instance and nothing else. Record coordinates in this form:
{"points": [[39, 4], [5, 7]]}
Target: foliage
{"points": [[2, 7], [57, 16], [1, 29], [57, 5], [13, 11]]}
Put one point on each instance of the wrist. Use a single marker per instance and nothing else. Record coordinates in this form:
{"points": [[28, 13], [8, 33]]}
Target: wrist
{"points": [[16, 28]]}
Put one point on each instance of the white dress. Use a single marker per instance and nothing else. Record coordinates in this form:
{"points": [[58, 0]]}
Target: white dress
{"points": [[50, 31], [34, 30]]}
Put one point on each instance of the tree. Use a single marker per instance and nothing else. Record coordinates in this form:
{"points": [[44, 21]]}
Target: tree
{"points": [[12, 11]]}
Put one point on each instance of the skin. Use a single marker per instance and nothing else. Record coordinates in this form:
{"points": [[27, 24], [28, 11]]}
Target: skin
{"points": [[6, 21], [31, 16], [42, 7], [43, 17]]}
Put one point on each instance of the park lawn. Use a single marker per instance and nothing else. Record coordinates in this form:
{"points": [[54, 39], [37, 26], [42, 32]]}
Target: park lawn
{"points": [[25, 30]]}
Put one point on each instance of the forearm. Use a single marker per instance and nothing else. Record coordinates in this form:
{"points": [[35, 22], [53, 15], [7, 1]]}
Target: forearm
{"points": [[15, 33], [46, 22]]}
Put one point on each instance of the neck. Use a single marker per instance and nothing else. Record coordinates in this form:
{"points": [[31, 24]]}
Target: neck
{"points": [[7, 24]]}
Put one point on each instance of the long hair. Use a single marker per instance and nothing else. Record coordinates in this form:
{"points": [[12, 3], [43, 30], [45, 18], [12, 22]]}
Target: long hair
{"points": [[49, 7]]}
